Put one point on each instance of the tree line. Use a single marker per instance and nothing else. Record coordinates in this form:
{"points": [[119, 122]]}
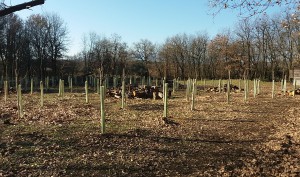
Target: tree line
{"points": [[31, 47], [265, 47]]}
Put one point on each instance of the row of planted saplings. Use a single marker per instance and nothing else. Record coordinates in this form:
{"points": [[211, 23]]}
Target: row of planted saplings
{"points": [[102, 97], [175, 86], [19, 94], [93, 81], [256, 89], [61, 92], [62, 85], [228, 87], [190, 87]]}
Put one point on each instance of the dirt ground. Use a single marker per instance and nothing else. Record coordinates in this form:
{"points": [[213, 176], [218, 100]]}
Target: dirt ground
{"points": [[259, 137]]}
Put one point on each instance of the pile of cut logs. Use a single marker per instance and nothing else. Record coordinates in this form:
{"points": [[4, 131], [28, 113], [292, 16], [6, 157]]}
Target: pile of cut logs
{"points": [[233, 88], [152, 92], [293, 92]]}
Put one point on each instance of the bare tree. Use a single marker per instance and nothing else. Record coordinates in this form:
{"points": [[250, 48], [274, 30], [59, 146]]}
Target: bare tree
{"points": [[198, 53], [291, 32], [38, 30], [115, 42], [10, 44], [184, 55], [104, 55], [144, 50], [226, 54], [58, 39], [248, 8], [8, 10], [244, 33], [179, 47]]}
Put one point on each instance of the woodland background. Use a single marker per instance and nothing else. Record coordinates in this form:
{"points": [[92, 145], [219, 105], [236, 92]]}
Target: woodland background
{"points": [[263, 46]]}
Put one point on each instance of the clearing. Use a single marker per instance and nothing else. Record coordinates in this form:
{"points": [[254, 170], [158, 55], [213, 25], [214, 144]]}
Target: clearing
{"points": [[259, 137]]}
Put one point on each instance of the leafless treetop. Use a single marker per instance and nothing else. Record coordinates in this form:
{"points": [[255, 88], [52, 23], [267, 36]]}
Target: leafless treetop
{"points": [[249, 8]]}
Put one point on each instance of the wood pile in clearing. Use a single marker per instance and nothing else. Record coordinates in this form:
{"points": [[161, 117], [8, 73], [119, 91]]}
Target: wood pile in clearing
{"points": [[233, 88], [293, 92], [145, 92]]}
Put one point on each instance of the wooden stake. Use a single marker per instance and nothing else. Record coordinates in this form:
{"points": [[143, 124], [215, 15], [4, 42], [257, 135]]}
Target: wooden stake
{"points": [[254, 88], [219, 85], [31, 86], [165, 100], [59, 87], [123, 94], [86, 92], [240, 85], [273, 88], [284, 86], [174, 85], [71, 85], [245, 90], [5, 91], [42, 93], [63, 88], [20, 103], [258, 87], [102, 109], [188, 89], [163, 83], [294, 87], [228, 91], [193, 97]]}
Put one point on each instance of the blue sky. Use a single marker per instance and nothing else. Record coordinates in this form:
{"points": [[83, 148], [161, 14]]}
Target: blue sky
{"points": [[133, 19]]}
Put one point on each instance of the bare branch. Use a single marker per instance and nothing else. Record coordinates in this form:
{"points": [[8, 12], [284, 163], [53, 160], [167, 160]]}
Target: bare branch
{"points": [[249, 8], [19, 7]]}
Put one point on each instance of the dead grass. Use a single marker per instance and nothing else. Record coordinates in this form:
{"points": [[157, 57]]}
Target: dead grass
{"points": [[259, 137]]}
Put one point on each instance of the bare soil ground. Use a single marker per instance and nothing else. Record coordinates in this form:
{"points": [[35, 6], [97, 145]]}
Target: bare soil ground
{"points": [[259, 137]]}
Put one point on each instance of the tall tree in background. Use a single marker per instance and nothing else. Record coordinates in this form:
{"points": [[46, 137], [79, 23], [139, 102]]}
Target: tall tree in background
{"points": [[178, 45], [115, 51], [32, 46], [185, 55], [123, 57], [57, 40], [265, 48], [219, 51], [105, 55], [244, 34], [11, 30], [198, 51], [38, 30], [291, 32], [144, 50], [165, 54]]}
